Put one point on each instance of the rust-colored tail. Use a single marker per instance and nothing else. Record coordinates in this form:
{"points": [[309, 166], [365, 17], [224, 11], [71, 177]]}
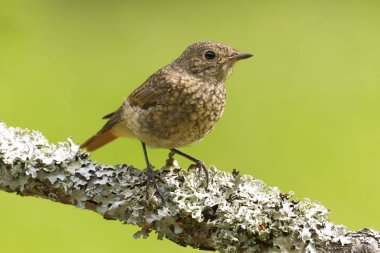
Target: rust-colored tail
{"points": [[98, 140]]}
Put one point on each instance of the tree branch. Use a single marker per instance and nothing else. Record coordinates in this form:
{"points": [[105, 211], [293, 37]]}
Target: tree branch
{"points": [[235, 214]]}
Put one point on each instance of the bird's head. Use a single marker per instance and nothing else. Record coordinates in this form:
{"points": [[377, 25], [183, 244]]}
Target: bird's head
{"points": [[210, 61]]}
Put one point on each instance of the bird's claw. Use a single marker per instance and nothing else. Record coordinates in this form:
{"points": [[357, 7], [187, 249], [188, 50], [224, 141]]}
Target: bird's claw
{"points": [[201, 167], [152, 182], [171, 162]]}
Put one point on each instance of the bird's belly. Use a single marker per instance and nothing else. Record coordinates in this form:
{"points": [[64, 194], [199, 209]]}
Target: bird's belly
{"points": [[178, 135], [182, 117], [181, 125]]}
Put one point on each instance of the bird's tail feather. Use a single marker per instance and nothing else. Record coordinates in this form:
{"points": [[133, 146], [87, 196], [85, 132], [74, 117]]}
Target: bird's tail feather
{"points": [[98, 140]]}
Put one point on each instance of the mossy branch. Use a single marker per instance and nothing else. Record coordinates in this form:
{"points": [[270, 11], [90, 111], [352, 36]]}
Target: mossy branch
{"points": [[235, 214]]}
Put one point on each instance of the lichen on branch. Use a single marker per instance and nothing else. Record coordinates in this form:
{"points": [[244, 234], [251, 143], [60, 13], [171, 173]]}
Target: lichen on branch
{"points": [[236, 213]]}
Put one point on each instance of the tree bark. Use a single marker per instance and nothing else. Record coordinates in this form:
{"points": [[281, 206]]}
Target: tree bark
{"points": [[236, 213]]}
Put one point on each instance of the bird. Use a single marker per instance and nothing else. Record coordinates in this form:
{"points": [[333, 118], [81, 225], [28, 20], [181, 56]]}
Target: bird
{"points": [[177, 105]]}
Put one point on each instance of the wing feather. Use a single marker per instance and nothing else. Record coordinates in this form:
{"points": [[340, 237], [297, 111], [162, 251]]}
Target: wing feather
{"points": [[150, 93], [145, 96], [114, 118]]}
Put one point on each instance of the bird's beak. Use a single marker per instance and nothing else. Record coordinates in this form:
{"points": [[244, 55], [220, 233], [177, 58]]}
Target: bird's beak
{"points": [[240, 56]]}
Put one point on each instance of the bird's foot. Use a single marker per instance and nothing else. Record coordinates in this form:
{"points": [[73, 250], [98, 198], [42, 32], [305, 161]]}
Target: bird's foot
{"points": [[171, 162], [201, 167], [152, 183]]}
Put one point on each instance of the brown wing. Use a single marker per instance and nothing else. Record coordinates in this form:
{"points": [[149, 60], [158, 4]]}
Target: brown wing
{"points": [[108, 116], [145, 96], [150, 92], [114, 118]]}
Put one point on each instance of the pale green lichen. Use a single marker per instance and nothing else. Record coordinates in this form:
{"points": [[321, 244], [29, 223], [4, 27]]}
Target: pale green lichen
{"points": [[234, 214], [246, 210]]}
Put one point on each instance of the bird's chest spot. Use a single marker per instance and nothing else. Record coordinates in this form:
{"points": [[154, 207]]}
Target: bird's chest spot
{"points": [[204, 108], [188, 115], [212, 102]]}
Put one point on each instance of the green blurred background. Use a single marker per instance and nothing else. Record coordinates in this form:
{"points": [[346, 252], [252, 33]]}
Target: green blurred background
{"points": [[303, 114]]}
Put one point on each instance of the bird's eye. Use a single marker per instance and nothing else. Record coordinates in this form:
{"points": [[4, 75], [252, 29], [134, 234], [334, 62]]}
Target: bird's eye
{"points": [[209, 55]]}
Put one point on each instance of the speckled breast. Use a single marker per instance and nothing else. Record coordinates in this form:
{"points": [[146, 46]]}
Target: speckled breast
{"points": [[190, 111]]}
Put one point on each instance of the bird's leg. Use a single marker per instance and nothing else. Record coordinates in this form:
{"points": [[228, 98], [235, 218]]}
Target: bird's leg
{"points": [[149, 170], [198, 162]]}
